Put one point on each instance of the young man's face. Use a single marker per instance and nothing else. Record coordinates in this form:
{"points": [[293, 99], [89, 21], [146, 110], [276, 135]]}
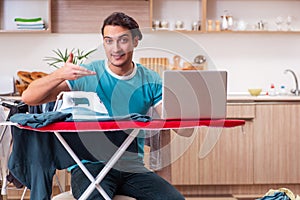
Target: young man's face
{"points": [[118, 45]]}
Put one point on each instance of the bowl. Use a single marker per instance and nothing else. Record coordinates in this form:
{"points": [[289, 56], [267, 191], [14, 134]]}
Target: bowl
{"points": [[255, 91]]}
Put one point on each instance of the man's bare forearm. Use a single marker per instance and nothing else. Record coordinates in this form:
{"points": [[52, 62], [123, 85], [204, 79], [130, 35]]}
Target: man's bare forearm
{"points": [[44, 90]]}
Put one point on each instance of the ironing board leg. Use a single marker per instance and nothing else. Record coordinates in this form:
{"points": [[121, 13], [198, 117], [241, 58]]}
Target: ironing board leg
{"points": [[110, 163], [82, 167], [5, 144]]}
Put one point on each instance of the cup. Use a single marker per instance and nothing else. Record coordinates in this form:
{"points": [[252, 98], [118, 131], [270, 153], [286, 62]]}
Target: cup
{"points": [[179, 24], [156, 24], [242, 25], [164, 24], [196, 26]]}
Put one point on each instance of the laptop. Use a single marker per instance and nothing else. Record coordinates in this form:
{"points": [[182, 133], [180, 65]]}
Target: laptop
{"points": [[194, 94]]}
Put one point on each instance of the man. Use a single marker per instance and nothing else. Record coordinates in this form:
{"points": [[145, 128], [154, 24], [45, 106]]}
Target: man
{"points": [[124, 87]]}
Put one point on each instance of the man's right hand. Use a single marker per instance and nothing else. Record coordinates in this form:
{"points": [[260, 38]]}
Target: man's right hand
{"points": [[46, 89], [71, 71]]}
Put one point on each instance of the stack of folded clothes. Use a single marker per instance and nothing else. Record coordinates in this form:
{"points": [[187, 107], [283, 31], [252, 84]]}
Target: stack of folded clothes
{"points": [[30, 23]]}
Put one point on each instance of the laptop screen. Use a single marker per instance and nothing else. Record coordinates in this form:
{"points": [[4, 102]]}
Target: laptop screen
{"points": [[194, 94]]}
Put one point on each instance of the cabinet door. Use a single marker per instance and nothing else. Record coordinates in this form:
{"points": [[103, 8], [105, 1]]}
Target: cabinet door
{"points": [[73, 16], [229, 162], [276, 144]]}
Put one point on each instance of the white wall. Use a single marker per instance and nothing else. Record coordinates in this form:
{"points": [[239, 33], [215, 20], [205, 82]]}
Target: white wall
{"points": [[252, 60]]}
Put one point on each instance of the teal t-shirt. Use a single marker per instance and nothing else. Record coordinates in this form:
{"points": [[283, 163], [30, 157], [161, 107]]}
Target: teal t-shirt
{"points": [[122, 95]]}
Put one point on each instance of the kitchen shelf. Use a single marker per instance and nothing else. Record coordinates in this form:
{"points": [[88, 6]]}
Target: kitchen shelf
{"points": [[255, 32], [186, 11], [9, 10], [230, 32], [25, 31], [266, 11]]}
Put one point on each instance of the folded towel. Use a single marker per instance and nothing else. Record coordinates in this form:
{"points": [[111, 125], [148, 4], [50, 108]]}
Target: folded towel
{"points": [[31, 25], [30, 28], [19, 19], [29, 21]]}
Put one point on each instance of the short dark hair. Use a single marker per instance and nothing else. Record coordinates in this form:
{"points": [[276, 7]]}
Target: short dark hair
{"points": [[121, 19]]}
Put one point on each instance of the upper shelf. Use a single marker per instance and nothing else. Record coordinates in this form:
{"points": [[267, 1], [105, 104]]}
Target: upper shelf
{"points": [[24, 9], [191, 16], [248, 16]]}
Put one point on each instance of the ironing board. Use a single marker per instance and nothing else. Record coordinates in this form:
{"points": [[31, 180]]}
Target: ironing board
{"points": [[136, 126]]}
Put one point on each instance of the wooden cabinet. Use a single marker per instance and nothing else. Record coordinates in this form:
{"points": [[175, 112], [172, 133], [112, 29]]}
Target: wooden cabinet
{"points": [[9, 10], [276, 143], [75, 16], [230, 160], [247, 16], [262, 156]]}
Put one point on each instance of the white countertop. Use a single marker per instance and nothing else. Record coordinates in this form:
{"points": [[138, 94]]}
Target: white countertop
{"points": [[234, 98], [262, 98]]}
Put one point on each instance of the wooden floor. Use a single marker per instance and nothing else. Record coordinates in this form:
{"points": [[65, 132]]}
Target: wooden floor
{"points": [[210, 198], [188, 198], [15, 194]]}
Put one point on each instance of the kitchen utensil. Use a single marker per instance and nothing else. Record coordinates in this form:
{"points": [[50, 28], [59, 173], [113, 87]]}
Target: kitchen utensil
{"points": [[210, 25], [218, 25]]}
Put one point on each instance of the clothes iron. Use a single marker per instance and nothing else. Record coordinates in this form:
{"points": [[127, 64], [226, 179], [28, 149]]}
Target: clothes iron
{"points": [[80, 99]]}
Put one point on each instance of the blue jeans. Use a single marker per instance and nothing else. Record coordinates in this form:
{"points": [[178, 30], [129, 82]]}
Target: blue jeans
{"points": [[143, 186]]}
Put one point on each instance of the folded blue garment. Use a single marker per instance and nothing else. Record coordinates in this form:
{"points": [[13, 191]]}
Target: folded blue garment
{"points": [[78, 114], [39, 120], [275, 196], [86, 114]]}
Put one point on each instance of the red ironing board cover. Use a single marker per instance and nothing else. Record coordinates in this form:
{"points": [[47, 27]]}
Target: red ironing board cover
{"points": [[122, 125]]}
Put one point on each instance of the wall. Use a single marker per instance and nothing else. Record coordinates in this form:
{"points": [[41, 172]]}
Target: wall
{"points": [[252, 60]]}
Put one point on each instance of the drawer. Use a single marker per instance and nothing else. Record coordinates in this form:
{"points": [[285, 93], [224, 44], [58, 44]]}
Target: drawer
{"points": [[240, 111]]}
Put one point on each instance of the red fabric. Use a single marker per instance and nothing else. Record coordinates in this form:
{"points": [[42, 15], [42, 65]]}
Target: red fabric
{"points": [[122, 125]]}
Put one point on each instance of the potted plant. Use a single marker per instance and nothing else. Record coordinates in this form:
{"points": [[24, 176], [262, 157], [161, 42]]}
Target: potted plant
{"points": [[62, 56]]}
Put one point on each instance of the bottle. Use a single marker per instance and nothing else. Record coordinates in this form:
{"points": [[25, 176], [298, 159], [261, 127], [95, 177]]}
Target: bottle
{"points": [[282, 91], [272, 90], [230, 22], [224, 22]]}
